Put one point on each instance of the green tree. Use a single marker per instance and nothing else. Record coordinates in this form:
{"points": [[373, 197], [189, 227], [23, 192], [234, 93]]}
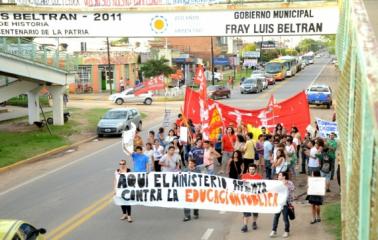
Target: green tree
{"points": [[121, 41], [329, 41], [309, 44], [249, 47], [269, 54], [291, 52], [156, 67]]}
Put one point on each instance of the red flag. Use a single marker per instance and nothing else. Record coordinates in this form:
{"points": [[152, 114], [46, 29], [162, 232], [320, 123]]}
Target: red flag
{"points": [[293, 111], [204, 107], [155, 83]]}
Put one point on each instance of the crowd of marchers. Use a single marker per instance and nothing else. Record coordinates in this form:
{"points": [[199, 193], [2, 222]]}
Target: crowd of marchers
{"points": [[281, 154]]}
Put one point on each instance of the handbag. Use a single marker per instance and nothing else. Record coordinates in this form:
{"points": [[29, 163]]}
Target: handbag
{"points": [[291, 211]]}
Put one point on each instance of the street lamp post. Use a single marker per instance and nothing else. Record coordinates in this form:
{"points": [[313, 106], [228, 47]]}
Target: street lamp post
{"points": [[212, 61], [109, 66]]}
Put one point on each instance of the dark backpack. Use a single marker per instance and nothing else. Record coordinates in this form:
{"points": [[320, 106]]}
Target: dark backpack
{"points": [[326, 166]]}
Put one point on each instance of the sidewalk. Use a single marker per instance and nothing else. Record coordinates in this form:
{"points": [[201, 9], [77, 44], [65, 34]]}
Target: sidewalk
{"points": [[13, 112], [300, 228]]}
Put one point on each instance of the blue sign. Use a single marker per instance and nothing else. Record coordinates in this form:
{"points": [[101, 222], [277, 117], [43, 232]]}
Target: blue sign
{"points": [[326, 128], [221, 61]]}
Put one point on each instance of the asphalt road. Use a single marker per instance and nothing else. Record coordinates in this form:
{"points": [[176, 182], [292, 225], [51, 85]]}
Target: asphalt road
{"points": [[70, 195]]}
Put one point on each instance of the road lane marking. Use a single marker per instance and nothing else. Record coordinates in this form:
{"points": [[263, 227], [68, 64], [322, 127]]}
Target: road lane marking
{"points": [[222, 212], [207, 234], [56, 170], [320, 72], [79, 215], [81, 221], [62, 167]]}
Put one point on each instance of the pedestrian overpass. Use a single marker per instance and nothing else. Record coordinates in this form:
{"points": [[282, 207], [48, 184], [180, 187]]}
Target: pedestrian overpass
{"points": [[25, 68], [357, 100]]}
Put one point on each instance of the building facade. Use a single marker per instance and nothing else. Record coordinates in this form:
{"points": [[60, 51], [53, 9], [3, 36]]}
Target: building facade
{"points": [[93, 73]]}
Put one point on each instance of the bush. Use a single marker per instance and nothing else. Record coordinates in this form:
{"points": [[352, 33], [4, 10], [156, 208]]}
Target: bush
{"points": [[22, 101]]}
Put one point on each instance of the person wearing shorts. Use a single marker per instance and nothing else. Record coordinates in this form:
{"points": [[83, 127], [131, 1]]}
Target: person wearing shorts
{"points": [[251, 174]]}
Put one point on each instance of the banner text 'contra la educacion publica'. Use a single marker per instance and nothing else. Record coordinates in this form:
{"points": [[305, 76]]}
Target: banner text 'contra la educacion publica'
{"points": [[201, 191]]}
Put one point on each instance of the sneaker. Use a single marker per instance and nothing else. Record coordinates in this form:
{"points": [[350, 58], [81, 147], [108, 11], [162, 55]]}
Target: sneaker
{"points": [[313, 221], [285, 235], [318, 220], [196, 217], [254, 226], [244, 228], [273, 234], [186, 219]]}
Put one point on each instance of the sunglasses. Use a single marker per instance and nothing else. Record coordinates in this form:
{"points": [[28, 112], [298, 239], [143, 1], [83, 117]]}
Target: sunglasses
{"points": [[122, 164]]}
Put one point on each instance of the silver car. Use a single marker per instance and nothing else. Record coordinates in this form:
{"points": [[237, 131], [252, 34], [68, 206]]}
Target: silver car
{"points": [[252, 85], [117, 120]]}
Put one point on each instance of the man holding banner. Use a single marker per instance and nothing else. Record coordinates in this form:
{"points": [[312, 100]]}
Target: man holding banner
{"points": [[191, 168]]}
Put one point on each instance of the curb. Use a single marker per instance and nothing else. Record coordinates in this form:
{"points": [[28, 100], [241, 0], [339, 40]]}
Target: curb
{"points": [[44, 155]]}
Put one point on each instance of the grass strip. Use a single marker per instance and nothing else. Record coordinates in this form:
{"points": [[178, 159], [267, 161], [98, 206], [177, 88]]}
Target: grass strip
{"points": [[332, 217]]}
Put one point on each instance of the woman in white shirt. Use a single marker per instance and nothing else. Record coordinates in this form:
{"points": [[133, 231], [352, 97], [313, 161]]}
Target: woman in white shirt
{"points": [[149, 152], [158, 153]]}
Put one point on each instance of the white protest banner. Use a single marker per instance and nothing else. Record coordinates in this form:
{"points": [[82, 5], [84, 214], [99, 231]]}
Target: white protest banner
{"points": [[200, 191], [311, 130], [183, 134], [128, 139], [316, 186], [326, 128]]}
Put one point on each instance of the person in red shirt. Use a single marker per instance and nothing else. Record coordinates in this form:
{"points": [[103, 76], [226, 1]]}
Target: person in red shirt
{"points": [[251, 174], [228, 141], [179, 120]]}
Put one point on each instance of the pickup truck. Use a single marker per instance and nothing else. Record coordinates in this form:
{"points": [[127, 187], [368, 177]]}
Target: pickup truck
{"points": [[319, 94]]}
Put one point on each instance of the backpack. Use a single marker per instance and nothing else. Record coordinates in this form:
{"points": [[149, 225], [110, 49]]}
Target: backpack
{"points": [[326, 166]]}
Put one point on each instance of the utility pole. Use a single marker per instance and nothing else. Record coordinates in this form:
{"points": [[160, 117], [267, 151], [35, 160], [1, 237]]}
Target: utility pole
{"points": [[109, 67], [212, 61]]}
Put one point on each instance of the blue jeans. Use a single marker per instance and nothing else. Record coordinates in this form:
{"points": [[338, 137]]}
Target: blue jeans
{"points": [[285, 215], [268, 169]]}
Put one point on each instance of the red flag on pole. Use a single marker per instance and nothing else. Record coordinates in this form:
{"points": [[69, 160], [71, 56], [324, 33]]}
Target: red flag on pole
{"points": [[155, 83], [204, 106]]}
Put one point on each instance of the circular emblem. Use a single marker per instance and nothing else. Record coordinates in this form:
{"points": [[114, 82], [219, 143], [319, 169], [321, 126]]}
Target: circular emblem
{"points": [[158, 24]]}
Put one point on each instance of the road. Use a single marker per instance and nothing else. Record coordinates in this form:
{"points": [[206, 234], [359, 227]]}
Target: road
{"points": [[70, 194]]}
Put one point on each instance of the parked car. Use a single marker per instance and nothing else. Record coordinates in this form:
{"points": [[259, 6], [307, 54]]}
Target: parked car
{"points": [[20, 230], [217, 91], [260, 74], [250, 85], [319, 94], [270, 78], [117, 120], [128, 96]]}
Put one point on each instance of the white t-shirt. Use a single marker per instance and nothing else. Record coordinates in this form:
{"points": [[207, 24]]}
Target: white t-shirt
{"points": [[296, 141], [313, 161], [150, 154], [171, 162], [158, 152]]}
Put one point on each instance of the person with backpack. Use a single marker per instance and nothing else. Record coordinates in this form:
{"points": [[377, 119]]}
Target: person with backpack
{"points": [[326, 166]]}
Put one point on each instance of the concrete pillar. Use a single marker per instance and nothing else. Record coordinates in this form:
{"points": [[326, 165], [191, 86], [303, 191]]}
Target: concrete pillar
{"points": [[57, 97], [33, 105]]}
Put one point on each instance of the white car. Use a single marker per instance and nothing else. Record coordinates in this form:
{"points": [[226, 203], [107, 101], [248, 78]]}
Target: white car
{"points": [[128, 96]]}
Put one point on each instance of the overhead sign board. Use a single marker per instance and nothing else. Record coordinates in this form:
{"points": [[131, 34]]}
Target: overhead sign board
{"points": [[283, 22], [113, 3], [221, 61], [251, 54]]}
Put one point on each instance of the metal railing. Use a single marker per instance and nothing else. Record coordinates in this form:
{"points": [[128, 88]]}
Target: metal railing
{"points": [[357, 117], [27, 49]]}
